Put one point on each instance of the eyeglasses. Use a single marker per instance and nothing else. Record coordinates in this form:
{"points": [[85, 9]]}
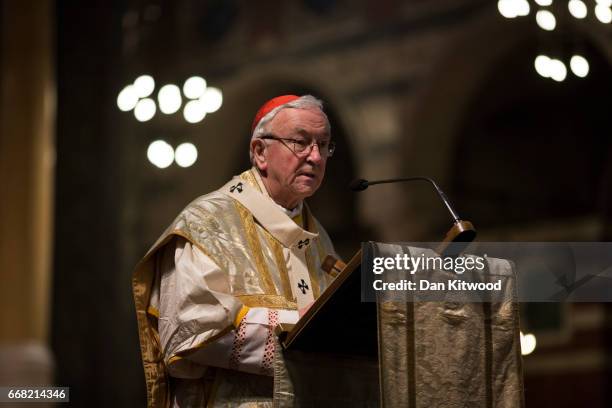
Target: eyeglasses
{"points": [[303, 147]]}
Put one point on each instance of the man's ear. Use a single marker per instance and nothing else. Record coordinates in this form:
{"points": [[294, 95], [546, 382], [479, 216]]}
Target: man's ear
{"points": [[258, 147]]}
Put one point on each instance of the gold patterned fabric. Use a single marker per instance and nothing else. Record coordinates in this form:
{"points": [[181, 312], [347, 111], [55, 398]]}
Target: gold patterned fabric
{"points": [[447, 354], [252, 249], [430, 354]]}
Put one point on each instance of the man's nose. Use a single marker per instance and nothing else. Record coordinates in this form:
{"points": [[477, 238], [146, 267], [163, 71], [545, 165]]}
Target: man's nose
{"points": [[315, 154]]}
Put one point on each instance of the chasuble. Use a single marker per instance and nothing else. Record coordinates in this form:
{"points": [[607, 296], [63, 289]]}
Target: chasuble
{"points": [[210, 291]]}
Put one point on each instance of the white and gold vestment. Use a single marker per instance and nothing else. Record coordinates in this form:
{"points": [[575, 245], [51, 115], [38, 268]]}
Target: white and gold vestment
{"points": [[208, 294]]}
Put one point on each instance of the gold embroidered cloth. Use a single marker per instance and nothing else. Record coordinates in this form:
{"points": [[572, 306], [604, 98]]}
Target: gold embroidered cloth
{"points": [[448, 354], [430, 354]]}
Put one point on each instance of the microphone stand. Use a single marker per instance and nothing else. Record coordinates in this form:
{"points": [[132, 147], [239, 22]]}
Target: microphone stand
{"points": [[458, 236]]}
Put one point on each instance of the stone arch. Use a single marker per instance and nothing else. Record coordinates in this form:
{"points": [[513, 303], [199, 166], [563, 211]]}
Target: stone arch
{"points": [[435, 125], [531, 151]]}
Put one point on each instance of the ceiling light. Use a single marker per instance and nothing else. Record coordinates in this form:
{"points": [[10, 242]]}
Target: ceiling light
{"points": [[212, 99], [144, 86], [160, 154], [542, 65], [186, 154], [144, 110], [577, 8], [194, 111], [603, 13], [528, 343], [127, 98], [507, 8], [558, 71], [194, 87], [579, 66], [546, 20], [169, 98], [522, 7]]}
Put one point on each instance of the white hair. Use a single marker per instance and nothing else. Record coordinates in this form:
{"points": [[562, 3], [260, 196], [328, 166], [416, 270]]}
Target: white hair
{"points": [[303, 102]]}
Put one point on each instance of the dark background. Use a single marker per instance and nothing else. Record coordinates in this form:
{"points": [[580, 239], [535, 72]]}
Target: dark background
{"points": [[445, 89]]}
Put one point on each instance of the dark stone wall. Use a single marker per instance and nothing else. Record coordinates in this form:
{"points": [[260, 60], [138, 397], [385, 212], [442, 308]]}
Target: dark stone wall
{"points": [[93, 327]]}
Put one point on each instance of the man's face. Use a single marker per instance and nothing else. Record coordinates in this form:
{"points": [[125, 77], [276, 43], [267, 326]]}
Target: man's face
{"points": [[296, 176]]}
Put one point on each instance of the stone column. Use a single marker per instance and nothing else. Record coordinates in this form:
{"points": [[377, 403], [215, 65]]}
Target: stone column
{"points": [[27, 114]]}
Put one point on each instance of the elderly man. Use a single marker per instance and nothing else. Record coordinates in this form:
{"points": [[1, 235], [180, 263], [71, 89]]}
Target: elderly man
{"points": [[234, 264]]}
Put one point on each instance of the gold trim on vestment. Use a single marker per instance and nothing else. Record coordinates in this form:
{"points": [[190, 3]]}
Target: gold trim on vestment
{"points": [[255, 245], [313, 228], [269, 301], [312, 268], [307, 222], [298, 220], [153, 312], [322, 253], [189, 238], [250, 178], [312, 271], [156, 336], [277, 250], [243, 311], [156, 378], [275, 245]]}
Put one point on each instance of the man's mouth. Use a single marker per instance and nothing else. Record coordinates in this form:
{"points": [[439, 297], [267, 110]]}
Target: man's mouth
{"points": [[308, 174]]}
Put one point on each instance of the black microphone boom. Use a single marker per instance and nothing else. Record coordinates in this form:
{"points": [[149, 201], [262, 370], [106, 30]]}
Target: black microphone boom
{"points": [[361, 184], [462, 231]]}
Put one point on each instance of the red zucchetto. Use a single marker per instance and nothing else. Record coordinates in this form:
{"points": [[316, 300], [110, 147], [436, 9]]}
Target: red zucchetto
{"points": [[270, 105]]}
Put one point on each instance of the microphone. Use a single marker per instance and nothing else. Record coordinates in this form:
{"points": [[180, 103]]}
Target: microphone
{"points": [[461, 231], [361, 184]]}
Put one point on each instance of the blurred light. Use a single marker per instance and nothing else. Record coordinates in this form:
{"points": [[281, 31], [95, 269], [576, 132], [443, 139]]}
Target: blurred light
{"points": [[145, 109], [144, 86], [522, 7], [507, 8], [579, 66], [543, 3], [186, 154], [577, 8], [546, 20], [160, 154], [194, 111], [169, 98], [603, 13], [542, 65], [127, 98], [212, 99], [194, 87], [558, 71], [607, 3], [528, 343]]}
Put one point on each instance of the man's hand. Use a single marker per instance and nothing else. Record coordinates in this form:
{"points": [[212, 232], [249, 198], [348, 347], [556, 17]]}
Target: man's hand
{"points": [[303, 310]]}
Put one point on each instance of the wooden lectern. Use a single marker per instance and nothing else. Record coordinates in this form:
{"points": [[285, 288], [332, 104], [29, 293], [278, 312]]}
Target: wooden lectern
{"points": [[347, 353], [330, 357]]}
